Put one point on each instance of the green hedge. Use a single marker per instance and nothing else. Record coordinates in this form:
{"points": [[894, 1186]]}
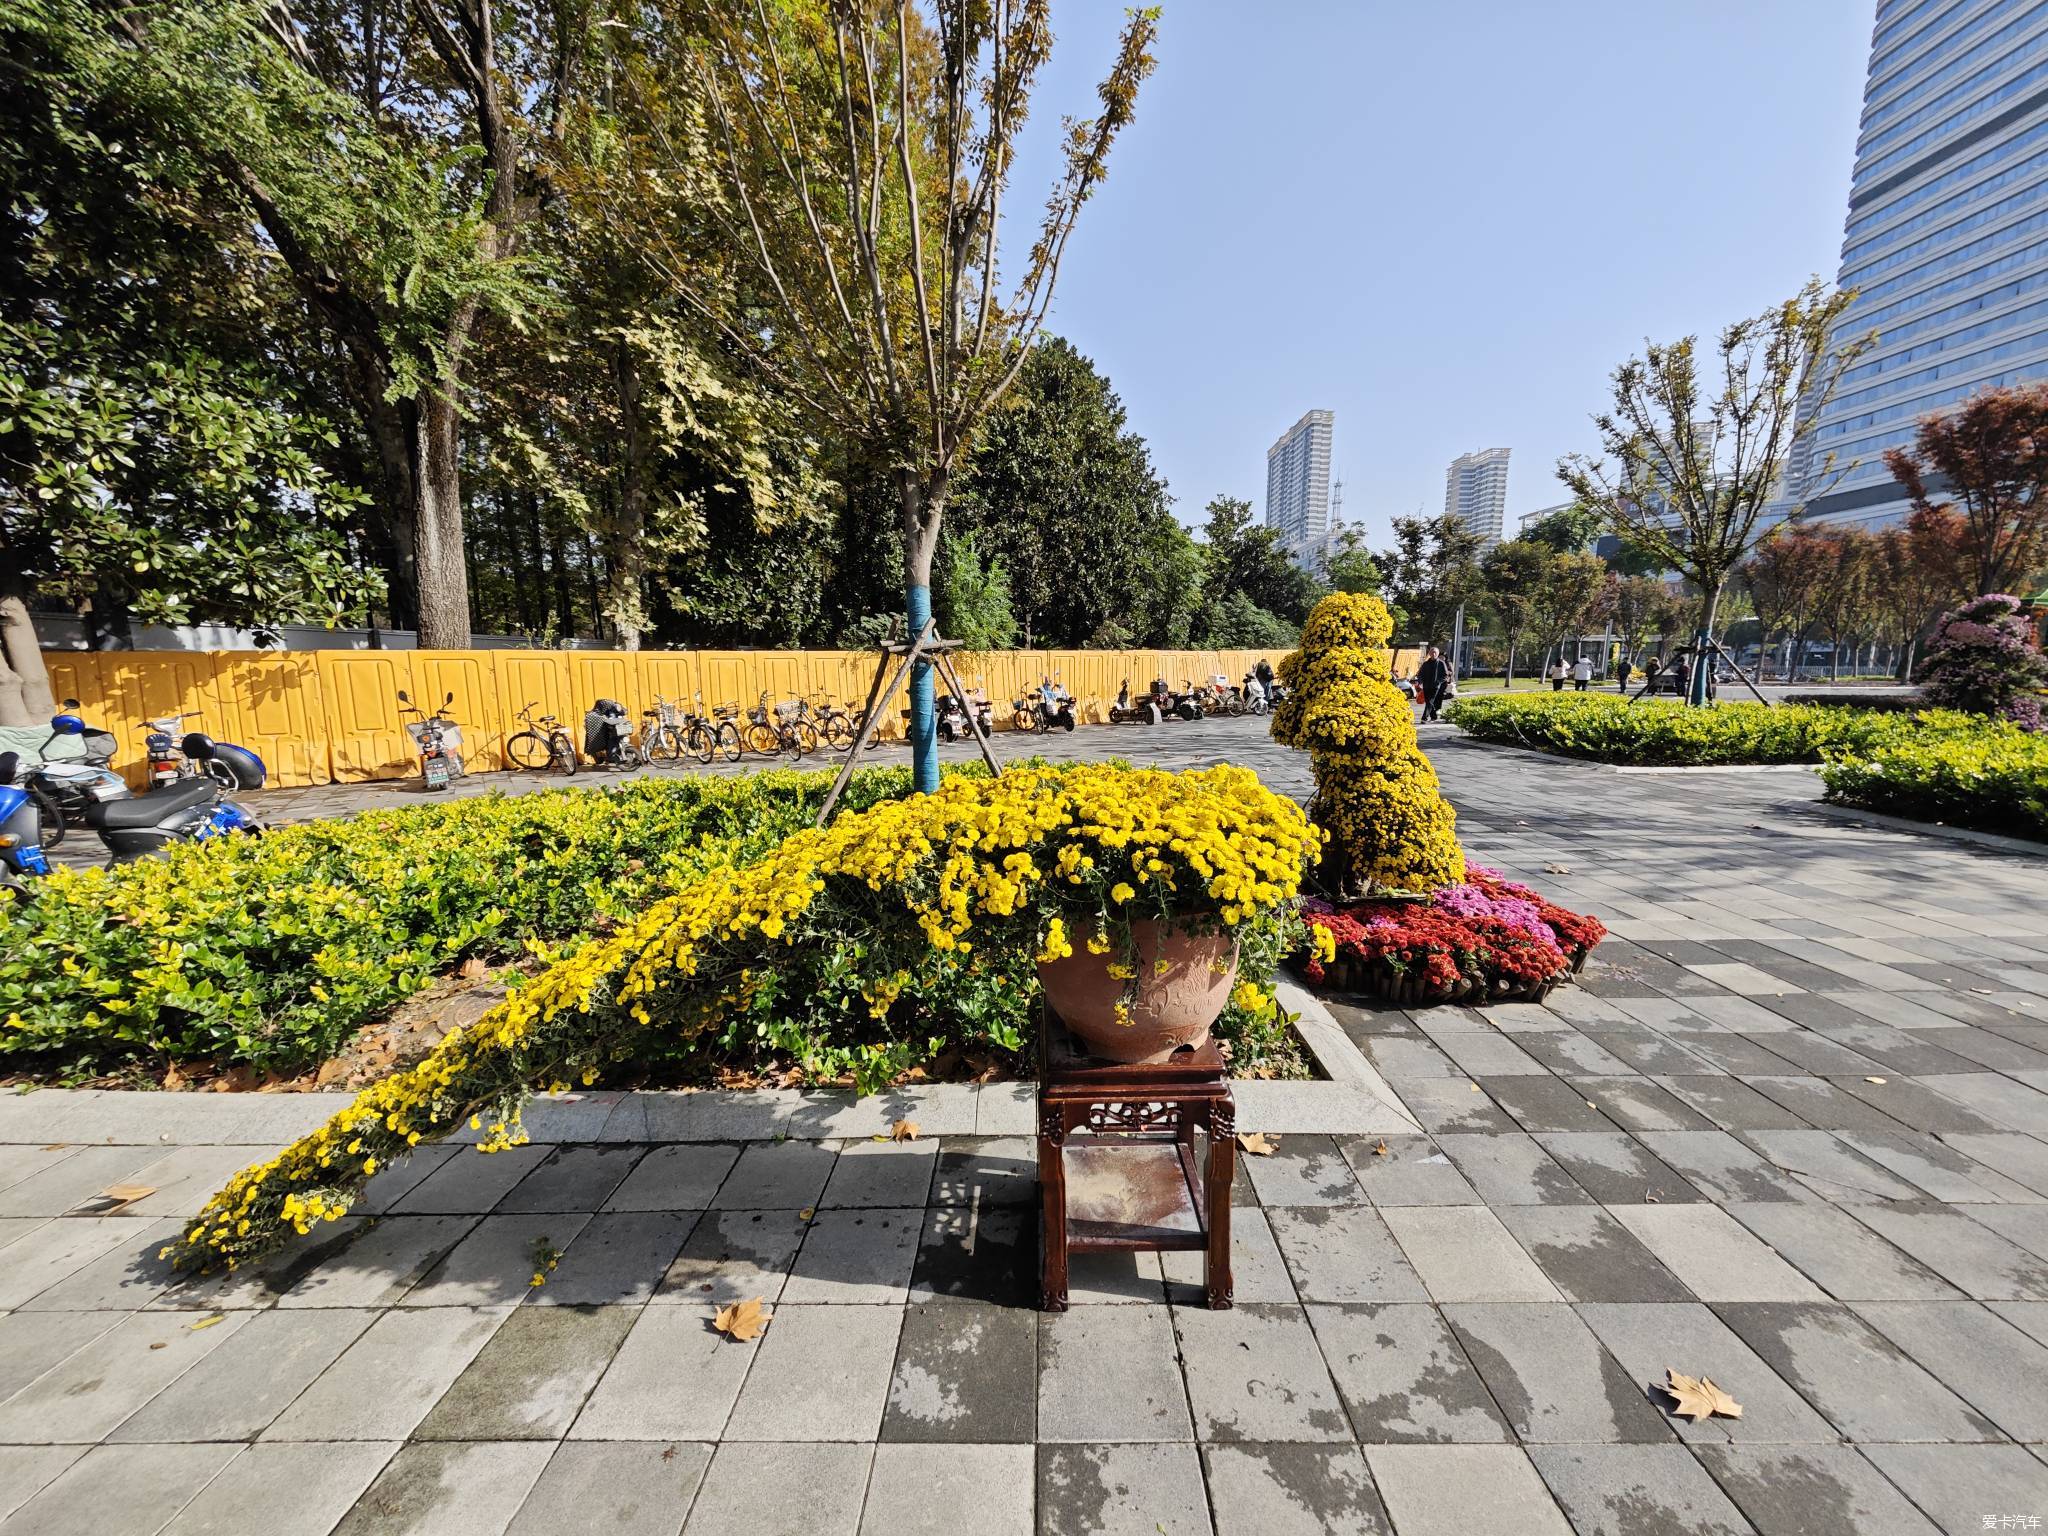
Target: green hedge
{"points": [[269, 952], [1996, 781], [1662, 733]]}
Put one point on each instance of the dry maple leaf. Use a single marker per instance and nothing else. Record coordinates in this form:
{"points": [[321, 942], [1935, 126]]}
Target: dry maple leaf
{"points": [[742, 1320], [1557, 869], [1258, 1143], [1697, 1397], [119, 1197], [1381, 1149], [473, 968], [903, 1130]]}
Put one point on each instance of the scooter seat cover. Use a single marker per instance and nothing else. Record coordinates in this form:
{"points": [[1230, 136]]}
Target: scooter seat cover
{"points": [[124, 815]]}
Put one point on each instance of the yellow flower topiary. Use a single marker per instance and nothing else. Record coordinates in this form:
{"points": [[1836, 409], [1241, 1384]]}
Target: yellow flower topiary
{"points": [[1376, 795]]}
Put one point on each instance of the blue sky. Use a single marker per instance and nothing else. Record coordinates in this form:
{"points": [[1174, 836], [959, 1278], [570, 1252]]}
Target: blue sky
{"points": [[1446, 222]]}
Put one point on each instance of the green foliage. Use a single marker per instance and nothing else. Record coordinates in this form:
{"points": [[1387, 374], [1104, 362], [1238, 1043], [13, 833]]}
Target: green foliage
{"points": [[1238, 623], [1608, 728], [1247, 558], [1994, 778], [1569, 530], [1432, 569], [1350, 568], [972, 595]]}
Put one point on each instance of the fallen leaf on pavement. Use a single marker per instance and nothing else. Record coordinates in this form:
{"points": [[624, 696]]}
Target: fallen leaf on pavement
{"points": [[903, 1130], [1874, 1079], [1557, 869], [1258, 1143], [807, 1213], [208, 1322], [742, 1320], [120, 1196], [1381, 1149], [473, 968], [1697, 1397]]}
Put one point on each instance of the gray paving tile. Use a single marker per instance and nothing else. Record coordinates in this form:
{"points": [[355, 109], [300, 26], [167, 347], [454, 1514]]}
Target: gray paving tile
{"points": [[396, 1180], [1449, 1104], [1731, 1103], [822, 1374], [32, 1342], [25, 1470], [1589, 1256], [1824, 1105], [1862, 1383], [236, 1391], [734, 1256], [1343, 1253], [1963, 1252], [1960, 1484], [1714, 1254], [1453, 1490], [79, 1175], [1404, 1376], [1304, 1170], [1639, 1105], [2023, 1159], [1830, 1167], [882, 1173], [939, 1490], [782, 1490], [1511, 1169], [1811, 1490], [83, 1396], [986, 1170], [770, 1175], [1121, 1490], [1551, 1376], [621, 1488], [965, 1372], [1400, 1057], [1841, 1255], [1463, 1253], [1982, 1358], [119, 1490], [1616, 1168], [977, 1253], [576, 1179], [1412, 1170], [619, 1257], [856, 1255], [380, 1264], [1540, 1104], [1257, 1271], [1651, 1340], [1571, 1054], [530, 1381], [1940, 1170], [1723, 1167], [674, 1377], [1254, 1373], [457, 1489], [121, 1279], [1292, 1490], [2012, 1105], [2025, 1226], [1486, 1055], [283, 1490], [384, 1383], [677, 1177], [1636, 1490], [184, 1179], [56, 1250], [1109, 1374], [468, 1183], [494, 1264]]}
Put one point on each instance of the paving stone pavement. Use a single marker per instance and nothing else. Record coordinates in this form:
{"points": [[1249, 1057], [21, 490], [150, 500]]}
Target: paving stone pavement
{"points": [[1790, 1131]]}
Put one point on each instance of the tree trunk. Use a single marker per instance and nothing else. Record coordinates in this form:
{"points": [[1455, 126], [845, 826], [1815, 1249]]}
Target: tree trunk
{"points": [[438, 555], [25, 697], [393, 426], [923, 505], [1509, 685], [1702, 654]]}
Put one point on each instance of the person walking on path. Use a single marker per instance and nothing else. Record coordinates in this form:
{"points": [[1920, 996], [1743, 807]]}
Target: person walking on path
{"points": [[1582, 674], [1622, 668], [1681, 675], [1432, 677], [1558, 673]]}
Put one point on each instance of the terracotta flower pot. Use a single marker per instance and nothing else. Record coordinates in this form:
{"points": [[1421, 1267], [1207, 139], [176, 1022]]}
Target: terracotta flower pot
{"points": [[1172, 1007]]}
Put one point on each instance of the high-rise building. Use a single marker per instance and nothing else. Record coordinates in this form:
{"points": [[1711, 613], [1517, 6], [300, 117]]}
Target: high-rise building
{"points": [[1476, 491], [1298, 486], [1946, 242]]}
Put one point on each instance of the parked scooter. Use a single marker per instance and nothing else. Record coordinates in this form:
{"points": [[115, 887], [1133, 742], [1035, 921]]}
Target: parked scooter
{"points": [[229, 766], [608, 736], [21, 850], [1126, 711], [192, 812], [952, 721], [65, 788], [437, 739], [1051, 706]]}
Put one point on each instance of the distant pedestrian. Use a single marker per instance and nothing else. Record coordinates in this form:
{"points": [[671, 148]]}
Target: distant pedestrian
{"points": [[1681, 675], [1622, 668], [1558, 673], [1582, 674], [1652, 674], [1433, 677]]}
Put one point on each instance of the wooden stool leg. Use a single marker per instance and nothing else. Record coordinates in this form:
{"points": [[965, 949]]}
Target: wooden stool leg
{"points": [[1052, 1216], [1222, 1171]]}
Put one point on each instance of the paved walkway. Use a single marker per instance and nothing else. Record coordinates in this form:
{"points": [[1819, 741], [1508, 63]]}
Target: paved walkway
{"points": [[1790, 1134]]}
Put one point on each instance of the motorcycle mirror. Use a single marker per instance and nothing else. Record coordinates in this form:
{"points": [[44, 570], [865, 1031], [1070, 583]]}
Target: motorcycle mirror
{"points": [[404, 697], [71, 704], [451, 697]]}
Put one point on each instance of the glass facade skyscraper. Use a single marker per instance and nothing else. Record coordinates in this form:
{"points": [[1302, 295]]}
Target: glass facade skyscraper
{"points": [[1298, 486], [1946, 243], [1476, 492]]}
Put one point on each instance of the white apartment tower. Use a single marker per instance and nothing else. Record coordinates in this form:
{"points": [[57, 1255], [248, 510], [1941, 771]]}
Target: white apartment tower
{"points": [[1476, 492], [1298, 486]]}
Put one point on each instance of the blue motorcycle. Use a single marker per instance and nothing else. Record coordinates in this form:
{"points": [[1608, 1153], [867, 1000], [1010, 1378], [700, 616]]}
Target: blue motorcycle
{"points": [[21, 830]]}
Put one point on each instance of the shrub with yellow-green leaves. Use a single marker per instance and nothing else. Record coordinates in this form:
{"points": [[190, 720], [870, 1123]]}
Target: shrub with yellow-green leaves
{"points": [[993, 872], [1376, 795]]}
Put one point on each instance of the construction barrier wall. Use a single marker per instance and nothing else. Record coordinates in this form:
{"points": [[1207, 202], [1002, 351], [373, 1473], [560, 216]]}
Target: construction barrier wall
{"points": [[319, 717]]}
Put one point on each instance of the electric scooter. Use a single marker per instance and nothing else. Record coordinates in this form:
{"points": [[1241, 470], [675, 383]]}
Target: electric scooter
{"points": [[228, 765], [67, 787], [438, 739], [192, 812], [21, 850]]}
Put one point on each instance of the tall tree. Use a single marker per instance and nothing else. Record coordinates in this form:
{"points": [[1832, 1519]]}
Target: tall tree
{"points": [[1989, 462], [1351, 567], [1249, 560], [1689, 466], [864, 148], [1432, 570], [1843, 603], [1571, 595], [1513, 574], [1784, 575]]}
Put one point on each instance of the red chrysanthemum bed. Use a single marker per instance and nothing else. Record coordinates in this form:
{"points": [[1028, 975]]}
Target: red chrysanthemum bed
{"points": [[1489, 939]]}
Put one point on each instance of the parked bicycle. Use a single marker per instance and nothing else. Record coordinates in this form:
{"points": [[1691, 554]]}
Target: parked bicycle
{"points": [[663, 732], [1050, 706], [772, 732], [727, 736], [836, 727], [545, 744]]}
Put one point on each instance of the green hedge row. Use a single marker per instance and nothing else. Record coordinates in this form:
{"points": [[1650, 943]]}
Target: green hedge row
{"points": [[269, 952], [1996, 781], [1665, 733]]}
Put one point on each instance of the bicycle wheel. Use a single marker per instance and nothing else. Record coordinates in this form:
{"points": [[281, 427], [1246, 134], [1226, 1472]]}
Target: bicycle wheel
{"points": [[665, 745], [805, 736], [561, 753], [762, 739], [701, 742], [730, 746], [839, 731], [529, 751], [1235, 705], [49, 814]]}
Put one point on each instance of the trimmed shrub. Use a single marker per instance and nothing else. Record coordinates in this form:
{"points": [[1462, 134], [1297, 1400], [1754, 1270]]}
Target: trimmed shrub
{"points": [[1982, 658], [1995, 780], [1376, 794]]}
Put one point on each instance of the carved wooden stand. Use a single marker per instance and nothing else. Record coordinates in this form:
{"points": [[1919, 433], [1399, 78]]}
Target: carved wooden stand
{"points": [[1130, 1179]]}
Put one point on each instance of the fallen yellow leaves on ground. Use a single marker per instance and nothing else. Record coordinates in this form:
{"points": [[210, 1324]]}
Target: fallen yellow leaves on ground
{"points": [[903, 1130], [1697, 1397], [1258, 1143], [742, 1320]]}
